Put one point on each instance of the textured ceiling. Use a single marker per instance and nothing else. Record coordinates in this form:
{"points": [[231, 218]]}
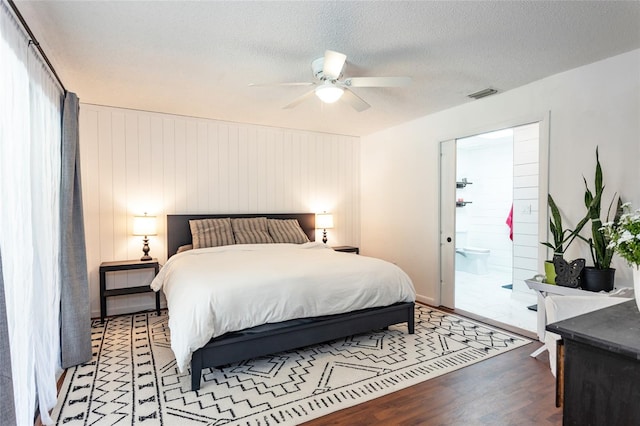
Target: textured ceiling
{"points": [[197, 58]]}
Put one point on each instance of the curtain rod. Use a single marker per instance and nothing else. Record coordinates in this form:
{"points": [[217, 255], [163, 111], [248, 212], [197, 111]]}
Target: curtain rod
{"points": [[35, 42]]}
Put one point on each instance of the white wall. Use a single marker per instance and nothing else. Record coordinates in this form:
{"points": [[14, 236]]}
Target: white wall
{"points": [[598, 104], [135, 162]]}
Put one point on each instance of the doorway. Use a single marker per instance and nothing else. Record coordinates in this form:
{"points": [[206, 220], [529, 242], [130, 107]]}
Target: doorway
{"points": [[489, 223]]}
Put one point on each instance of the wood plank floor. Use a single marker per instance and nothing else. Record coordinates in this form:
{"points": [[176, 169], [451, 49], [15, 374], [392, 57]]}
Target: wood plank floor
{"points": [[508, 389]]}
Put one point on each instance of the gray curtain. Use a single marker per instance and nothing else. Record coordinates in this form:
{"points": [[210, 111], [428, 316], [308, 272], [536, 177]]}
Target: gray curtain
{"points": [[75, 315], [7, 409]]}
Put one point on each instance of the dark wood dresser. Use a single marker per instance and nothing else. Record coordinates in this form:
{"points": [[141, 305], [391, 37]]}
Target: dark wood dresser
{"points": [[599, 366]]}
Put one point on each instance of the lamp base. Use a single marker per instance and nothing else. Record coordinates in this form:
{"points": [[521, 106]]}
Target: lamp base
{"points": [[145, 250], [324, 236]]}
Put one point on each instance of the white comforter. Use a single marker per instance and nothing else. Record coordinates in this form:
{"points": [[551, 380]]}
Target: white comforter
{"points": [[216, 290]]}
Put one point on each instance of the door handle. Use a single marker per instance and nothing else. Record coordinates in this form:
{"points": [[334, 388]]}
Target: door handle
{"points": [[448, 239]]}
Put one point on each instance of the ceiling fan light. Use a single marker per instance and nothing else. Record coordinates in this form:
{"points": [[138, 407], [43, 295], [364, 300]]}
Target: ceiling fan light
{"points": [[328, 93]]}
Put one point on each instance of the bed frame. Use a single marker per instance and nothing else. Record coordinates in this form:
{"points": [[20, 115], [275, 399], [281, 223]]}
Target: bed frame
{"points": [[272, 338]]}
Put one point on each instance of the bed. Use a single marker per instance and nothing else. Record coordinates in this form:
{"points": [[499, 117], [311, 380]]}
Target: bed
{"points": [[291, 321]]}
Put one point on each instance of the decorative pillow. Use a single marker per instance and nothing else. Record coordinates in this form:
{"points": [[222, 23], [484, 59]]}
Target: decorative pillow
{"points": [[287, 231], [211, 232], [252, 230], [184, 248]]}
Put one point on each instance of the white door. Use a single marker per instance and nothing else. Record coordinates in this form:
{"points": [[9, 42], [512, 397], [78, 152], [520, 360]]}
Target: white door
{"points": [[447, 222]]}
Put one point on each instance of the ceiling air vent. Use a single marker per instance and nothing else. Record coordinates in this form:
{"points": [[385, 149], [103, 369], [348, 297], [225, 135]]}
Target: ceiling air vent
{"points": [[483, 93]]}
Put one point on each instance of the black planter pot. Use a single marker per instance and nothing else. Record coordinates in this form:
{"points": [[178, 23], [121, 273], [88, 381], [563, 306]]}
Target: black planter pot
{"points": [[597, 279]]}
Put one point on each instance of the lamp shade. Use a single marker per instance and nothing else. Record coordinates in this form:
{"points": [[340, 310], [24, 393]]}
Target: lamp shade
{"points": [[324, 221], [144, 225], [329, 93]]}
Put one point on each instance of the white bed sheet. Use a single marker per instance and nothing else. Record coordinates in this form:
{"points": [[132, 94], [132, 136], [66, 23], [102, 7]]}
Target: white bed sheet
{"points": [[217, 290]]}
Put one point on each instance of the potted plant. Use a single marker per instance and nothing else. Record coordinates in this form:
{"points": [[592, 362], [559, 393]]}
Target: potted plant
{"points": [[600, 276], [562, 238], [624, 239]]}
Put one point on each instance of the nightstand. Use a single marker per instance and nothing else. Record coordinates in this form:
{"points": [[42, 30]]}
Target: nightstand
{"points": [[125, 265], [347, 249]]}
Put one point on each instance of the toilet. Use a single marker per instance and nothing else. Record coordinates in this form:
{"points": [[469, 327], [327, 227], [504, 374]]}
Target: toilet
{"points": [[470, 259]]}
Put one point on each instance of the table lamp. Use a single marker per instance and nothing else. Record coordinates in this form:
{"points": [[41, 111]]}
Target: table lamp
{"points": [[144, 226], [324, 221]]}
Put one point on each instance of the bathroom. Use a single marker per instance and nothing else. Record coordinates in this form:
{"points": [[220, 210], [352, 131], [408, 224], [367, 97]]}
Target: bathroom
{"points": [[484, 259]]}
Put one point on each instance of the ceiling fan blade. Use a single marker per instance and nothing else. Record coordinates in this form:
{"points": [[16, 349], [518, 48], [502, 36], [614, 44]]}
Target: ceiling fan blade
{"points": [[354, 100], [297, 101], [378, 81], [280, 84], [333, 64]]}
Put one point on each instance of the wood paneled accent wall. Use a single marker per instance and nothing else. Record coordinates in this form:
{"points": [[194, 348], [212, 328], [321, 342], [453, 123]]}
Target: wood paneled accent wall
{"points": [[526, 204], [134, 162]]}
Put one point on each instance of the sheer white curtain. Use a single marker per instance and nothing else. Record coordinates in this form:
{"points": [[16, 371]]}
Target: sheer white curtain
{"points": [[30, 126], [46, 140]]}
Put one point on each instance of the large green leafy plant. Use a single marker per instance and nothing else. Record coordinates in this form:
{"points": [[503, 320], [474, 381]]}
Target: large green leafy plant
{"points": [[562, 238], [599, 242]]}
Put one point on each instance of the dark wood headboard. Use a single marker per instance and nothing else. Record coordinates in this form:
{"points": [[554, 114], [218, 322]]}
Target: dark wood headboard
{"points": [[179, 233]]}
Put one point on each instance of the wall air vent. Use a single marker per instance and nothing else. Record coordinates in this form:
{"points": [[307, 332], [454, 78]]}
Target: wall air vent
{"points": [[483, 93]]}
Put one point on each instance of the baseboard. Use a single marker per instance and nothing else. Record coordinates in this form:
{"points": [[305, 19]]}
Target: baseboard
{"points": [[131, 309], [426, 300]]}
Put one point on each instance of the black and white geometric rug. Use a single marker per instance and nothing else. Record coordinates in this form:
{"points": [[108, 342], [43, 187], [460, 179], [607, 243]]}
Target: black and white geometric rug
{"points": [[133, 378]]}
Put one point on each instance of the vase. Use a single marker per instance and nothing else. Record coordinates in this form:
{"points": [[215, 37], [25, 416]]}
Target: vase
{"points": [[636, 283], [549, 272]]}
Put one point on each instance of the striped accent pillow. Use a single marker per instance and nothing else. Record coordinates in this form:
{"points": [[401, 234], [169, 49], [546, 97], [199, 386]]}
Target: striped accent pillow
{"points": [[287, 231], [252, 230], [211, 232]]}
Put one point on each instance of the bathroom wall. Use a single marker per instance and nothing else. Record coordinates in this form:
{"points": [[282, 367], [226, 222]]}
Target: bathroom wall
{"points": [[487, 162]]}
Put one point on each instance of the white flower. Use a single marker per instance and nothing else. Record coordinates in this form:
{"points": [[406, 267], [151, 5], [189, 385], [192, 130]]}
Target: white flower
{"points": [[625, 236]]}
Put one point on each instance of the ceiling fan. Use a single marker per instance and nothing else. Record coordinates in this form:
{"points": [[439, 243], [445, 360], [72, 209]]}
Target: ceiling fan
{"points": [[330, 87]]}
